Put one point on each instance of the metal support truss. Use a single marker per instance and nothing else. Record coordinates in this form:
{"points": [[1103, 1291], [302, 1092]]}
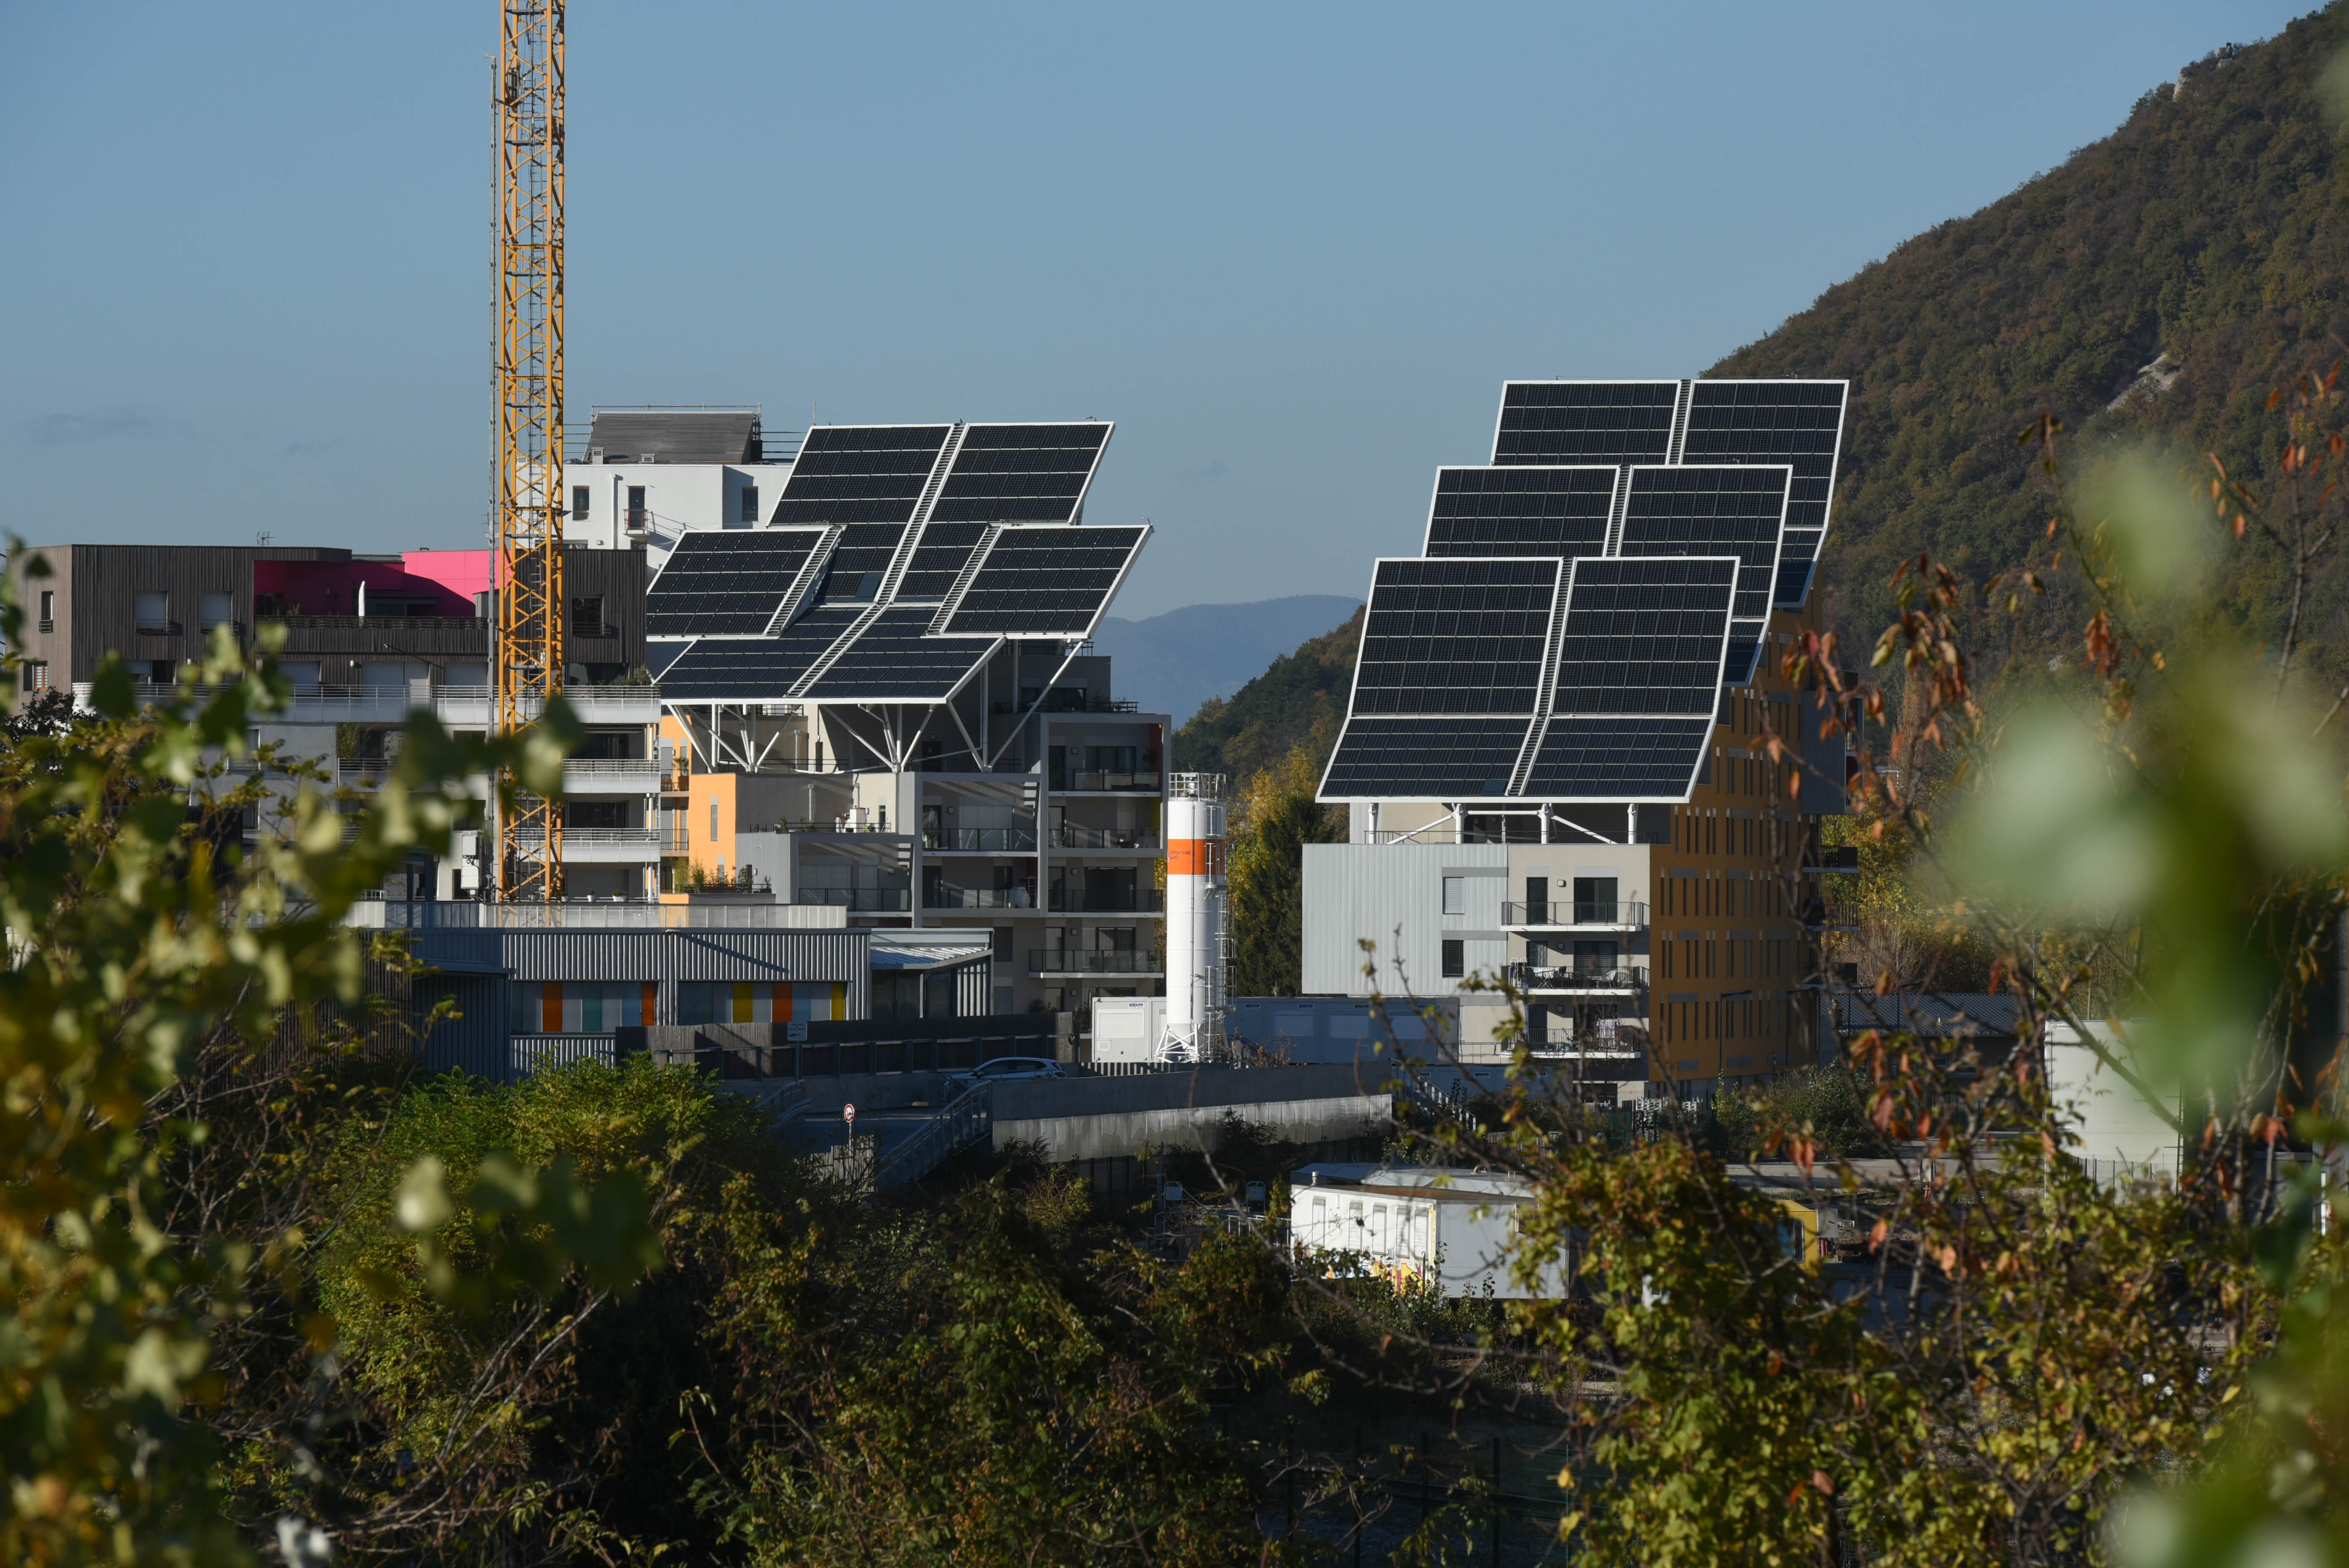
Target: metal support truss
{"points": [[528, 853]]}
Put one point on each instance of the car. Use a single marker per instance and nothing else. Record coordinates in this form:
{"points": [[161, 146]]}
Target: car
{"points": [[1005, 1069]]}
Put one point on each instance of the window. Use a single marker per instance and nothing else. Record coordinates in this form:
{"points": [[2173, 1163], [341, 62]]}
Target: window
{"points": [[37, 675], [218, 609], [638, 517], [587, 617], [1455, 958], [713, 822], [1456, 896], [1594, 900], [154, 614], [48, 609], [579, 501], [750, 503]]}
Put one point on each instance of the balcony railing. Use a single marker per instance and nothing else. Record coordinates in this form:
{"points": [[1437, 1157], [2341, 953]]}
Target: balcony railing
{"points": [[861, 901], [590, 775], [1141, 901], [983, 841], [1592, 977], [376, 622], [1081, 961], [1111, 780], [1613, 915], [1072, 836], [596, 841], [978, 898]]}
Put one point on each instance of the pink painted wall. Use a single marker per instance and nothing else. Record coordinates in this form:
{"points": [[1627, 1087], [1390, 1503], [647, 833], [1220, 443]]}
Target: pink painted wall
{"points": [[450, 577]]}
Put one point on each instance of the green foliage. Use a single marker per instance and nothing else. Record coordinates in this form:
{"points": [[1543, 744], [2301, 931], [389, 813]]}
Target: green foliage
{"points": [[1273, 818], [1300, 702], [1827, 1107]]}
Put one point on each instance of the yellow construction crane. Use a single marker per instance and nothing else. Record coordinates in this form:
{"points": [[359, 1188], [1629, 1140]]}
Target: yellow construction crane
{"points": [[525, 850]]}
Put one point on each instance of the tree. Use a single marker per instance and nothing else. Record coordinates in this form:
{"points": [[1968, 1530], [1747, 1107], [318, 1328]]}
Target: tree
{"points": [[1273, 818]]}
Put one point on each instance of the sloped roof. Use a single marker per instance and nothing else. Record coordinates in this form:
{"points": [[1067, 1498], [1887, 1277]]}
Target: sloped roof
{"points": [[681, 435]]}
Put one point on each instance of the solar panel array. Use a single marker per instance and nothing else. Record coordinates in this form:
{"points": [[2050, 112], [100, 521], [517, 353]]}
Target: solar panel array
{"points": [[943, 541], [726, 584], [1045, 582], [1675, 515]]}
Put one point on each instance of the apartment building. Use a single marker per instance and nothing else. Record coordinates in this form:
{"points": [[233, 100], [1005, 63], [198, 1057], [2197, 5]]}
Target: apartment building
{"points": [[1556, 755], [369, 638], [643, 478]]}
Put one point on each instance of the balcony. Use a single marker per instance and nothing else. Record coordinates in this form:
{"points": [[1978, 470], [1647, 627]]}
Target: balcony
{"points": [[1071, 835], [981, 841], [1103, 783], [1570, 915], [861, 901], [1141, 901], [1581, 980], [978, 898], [597, 846], [1052, 962], [1842, 860], [610, 775]]}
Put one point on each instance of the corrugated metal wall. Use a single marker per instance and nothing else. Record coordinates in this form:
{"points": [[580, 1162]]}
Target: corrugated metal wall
{"points": [[475, 1039], [1358, 892]]}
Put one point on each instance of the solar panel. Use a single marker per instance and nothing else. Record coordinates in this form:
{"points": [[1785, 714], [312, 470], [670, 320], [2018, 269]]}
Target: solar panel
{"points": [[1520, 511], [1021, 473], [1463, 636], [1639, 677], [1799, 424], [1715, 511], [1449, 758], [853, 576], [1608, 759], [1046, 581], [892, 661], [1585, 421], [1644, 636], [661, 652], [755, 670], [726, 584], [940, 557], [860, 473]]}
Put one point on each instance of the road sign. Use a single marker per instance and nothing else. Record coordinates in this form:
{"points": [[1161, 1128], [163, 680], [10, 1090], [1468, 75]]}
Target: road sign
{"points": [[848, 1114]]}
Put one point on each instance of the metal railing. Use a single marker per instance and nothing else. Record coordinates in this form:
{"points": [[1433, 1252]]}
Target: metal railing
{"points": [[861, 901], [960, 1124], [613, 914], [1141, 901], [1110, 781], [942, 897], [587, 773], [983, 840], [1081, 961], [1435, 833], [1578, 977], [355, 622], [1614, 915], [1074, 835], [646, 839]]}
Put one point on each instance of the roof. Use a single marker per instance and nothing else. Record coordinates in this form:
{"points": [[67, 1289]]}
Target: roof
{"points": [[677, 435], [1932, 1015]]}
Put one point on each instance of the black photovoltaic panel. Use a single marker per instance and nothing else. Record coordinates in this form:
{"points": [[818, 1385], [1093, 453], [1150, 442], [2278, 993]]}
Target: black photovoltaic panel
{"points": [[659, 652], [1585, 421], [1644, 637], [860, 473], [1463, 636], [760, 670], [726, 584], [1737, 511], [938, 559], [1520, 511], [1449, 758], [891, 660], [859, 562], [1045, 582], [1795, 423], [1019, 474], [1618, 758]]}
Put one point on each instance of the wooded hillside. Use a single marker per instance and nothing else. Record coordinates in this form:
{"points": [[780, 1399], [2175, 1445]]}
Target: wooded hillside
{"points": [[2212, 227], [1301, 701]]}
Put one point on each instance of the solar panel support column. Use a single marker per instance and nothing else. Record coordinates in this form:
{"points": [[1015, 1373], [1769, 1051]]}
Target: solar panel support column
{"points": [[1681, 406], [912, 537]]}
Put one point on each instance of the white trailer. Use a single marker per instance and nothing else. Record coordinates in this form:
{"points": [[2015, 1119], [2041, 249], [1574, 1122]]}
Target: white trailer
{"points": [[1454, 1229]]}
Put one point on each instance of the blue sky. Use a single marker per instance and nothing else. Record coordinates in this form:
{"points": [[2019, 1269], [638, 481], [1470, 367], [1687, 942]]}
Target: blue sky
{"points": [[1293, 251]]}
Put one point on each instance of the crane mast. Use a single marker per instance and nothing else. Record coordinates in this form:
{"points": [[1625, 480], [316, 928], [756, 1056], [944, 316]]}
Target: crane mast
{"points": [[525, 853]]}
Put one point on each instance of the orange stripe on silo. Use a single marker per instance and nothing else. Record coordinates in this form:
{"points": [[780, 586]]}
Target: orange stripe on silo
{"points": [[1187, 856]]}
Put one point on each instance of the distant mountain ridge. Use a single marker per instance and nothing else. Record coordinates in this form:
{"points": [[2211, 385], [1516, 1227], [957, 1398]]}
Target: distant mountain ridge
{"points": [[1300, 701], [2157, 284], [1171, 663]]}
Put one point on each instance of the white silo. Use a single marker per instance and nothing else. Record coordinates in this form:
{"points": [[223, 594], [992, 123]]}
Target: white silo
{"points": [[1195, 917]]}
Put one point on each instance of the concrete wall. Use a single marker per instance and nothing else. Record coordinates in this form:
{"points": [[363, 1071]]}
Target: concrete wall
{"points": [[1108, 1119]]}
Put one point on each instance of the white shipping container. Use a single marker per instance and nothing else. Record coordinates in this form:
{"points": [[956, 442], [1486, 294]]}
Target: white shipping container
{"points": [[1127, 1028]]}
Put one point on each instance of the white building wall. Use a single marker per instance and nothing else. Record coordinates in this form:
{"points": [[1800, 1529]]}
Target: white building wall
{"points": [[1392, 896], [683, 498]]}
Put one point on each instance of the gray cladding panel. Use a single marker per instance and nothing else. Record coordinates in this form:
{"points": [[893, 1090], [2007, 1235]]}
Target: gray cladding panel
{"points": [[681, 435]]}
